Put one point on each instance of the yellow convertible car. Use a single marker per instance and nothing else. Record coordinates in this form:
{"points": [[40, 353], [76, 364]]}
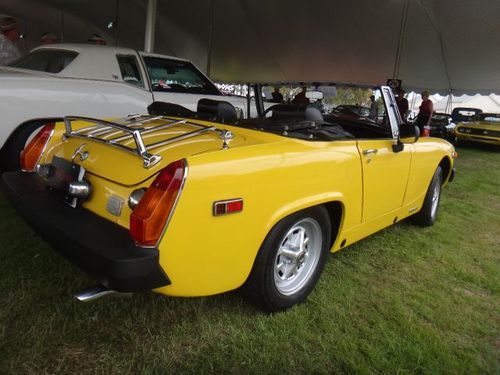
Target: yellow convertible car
{"points": [[198, 203], [484, 129]]}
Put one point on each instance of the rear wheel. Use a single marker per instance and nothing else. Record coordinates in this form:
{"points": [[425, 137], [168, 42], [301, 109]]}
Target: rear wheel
{"points": [[428, 214], [290, 260], [16, 143]]}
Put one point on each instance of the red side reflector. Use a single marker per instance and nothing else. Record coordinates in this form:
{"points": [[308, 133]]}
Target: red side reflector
{"points": [[150, 216], [29, 157], [227, 206]]}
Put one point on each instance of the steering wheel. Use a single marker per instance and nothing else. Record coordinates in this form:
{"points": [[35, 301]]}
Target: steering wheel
{"points": [[270, 109]]}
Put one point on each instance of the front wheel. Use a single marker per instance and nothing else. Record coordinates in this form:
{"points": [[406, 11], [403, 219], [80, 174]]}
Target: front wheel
{"points": [[428, 214], [290, 260]]}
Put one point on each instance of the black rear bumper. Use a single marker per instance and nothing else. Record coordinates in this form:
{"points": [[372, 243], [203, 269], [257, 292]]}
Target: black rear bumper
{"points": [[99, 247]]}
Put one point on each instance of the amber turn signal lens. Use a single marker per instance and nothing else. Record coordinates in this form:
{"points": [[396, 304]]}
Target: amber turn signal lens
{"points": [[29, 157], [150, 216]]}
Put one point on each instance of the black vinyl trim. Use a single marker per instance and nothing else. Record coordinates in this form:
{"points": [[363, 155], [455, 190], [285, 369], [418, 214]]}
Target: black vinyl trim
{"points": [[98, 246]]}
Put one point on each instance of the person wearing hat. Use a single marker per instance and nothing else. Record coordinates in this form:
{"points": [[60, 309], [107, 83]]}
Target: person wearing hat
{"points": [[97, 39], [49, 38], [9, 35]]}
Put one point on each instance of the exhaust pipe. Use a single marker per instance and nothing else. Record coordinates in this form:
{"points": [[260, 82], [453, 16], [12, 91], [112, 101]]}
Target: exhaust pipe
{"points": [[95, 292]]}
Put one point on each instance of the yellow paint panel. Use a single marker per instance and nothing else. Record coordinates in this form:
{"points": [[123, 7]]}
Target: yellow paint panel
{"points": [[275, 176]]}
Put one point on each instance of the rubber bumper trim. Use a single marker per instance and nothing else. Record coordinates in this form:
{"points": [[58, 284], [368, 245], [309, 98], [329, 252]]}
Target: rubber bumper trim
{"points": [[99, 247]]}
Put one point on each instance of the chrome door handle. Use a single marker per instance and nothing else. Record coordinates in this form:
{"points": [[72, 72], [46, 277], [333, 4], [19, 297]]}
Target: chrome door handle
{"points": [[370, 151]]}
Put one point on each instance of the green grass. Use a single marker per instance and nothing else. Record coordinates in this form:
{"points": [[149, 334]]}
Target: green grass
{"points": [[405, 300]]}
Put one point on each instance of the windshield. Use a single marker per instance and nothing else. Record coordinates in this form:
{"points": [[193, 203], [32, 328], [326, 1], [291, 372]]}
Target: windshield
{"points": [[325, 112], [490, 117], [46, 60], [178, 76]]}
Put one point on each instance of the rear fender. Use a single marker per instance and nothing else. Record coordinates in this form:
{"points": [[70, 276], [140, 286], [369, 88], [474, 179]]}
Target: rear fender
{"points": [[307, 202]]}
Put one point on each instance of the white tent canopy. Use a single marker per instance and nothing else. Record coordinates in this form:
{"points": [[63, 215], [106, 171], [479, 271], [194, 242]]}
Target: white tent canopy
{"points": [[439, 45]]}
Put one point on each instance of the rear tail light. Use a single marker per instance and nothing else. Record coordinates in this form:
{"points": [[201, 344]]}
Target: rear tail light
{"points": [[150, 216], [29, 157]]}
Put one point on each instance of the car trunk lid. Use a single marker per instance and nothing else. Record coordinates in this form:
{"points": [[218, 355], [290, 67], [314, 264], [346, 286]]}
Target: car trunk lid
{"points": [[113, 154]]}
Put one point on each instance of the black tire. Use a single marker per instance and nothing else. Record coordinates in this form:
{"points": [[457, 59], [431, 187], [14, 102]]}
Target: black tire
{"points": [[428, 213], [268, 286], [15, 144]]}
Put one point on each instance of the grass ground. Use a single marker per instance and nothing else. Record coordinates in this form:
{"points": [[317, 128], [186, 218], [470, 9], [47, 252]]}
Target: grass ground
{"points": [[405, 300]]}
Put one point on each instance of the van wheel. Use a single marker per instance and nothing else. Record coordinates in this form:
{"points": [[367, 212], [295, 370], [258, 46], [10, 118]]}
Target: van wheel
{"points": [[290, 260], [428, 214], [15, 144]]}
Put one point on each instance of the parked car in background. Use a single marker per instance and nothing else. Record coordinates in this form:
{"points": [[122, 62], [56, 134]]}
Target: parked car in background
{"points": [[188, 207], [441, 126], [56, 80], [463, 114], [485, 128]]}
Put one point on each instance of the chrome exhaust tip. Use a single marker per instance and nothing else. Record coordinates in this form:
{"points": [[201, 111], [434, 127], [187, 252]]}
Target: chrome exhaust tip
{"points": [[93, 293]]}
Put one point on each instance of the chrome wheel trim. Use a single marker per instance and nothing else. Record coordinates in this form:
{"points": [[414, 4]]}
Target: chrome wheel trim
{"points": [[435, 199], [297, 257]]}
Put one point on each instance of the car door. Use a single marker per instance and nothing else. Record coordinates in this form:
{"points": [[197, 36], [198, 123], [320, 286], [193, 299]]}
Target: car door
{"points": [[385, 171]]}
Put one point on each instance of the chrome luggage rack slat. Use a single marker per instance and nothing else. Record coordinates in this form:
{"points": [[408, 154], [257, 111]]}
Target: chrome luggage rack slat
{"points": [[134, 129]]}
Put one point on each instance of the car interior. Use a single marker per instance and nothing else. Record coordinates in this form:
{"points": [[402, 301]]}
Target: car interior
{"points": [[302, 121]]}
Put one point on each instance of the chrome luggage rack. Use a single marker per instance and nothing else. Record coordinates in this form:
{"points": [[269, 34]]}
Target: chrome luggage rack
{"points": [[134, 127]]}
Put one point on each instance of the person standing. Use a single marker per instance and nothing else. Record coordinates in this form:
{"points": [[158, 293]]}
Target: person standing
{"points": [[301, 98], [277, 96], [402, 103], [424, 114], [97, 39], [9, 35], [373, 109], [49, 38]]}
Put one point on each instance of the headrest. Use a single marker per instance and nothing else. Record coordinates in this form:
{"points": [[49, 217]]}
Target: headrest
{"points": [[312, 113], [217, 110], [169, 109], [307, 112]]}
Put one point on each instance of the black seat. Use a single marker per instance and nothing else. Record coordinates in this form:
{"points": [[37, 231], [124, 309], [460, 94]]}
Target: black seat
{"points": [[296, 111], [312, 113], [169, 109], [216, 110], [287, 111]]}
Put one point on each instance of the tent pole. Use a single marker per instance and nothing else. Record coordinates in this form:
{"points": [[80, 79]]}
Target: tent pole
{"points": [[450, 102], [402, 29], [149, 37], [62, 26], [249, 100], [441, 45], [210, 35], [115, 25]]}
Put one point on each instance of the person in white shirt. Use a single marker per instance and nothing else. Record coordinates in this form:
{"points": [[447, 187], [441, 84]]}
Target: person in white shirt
{"points": [[9, 35]]}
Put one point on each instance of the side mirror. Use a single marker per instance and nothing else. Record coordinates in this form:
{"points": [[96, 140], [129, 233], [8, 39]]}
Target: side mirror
{"points": [[408, 134]]}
